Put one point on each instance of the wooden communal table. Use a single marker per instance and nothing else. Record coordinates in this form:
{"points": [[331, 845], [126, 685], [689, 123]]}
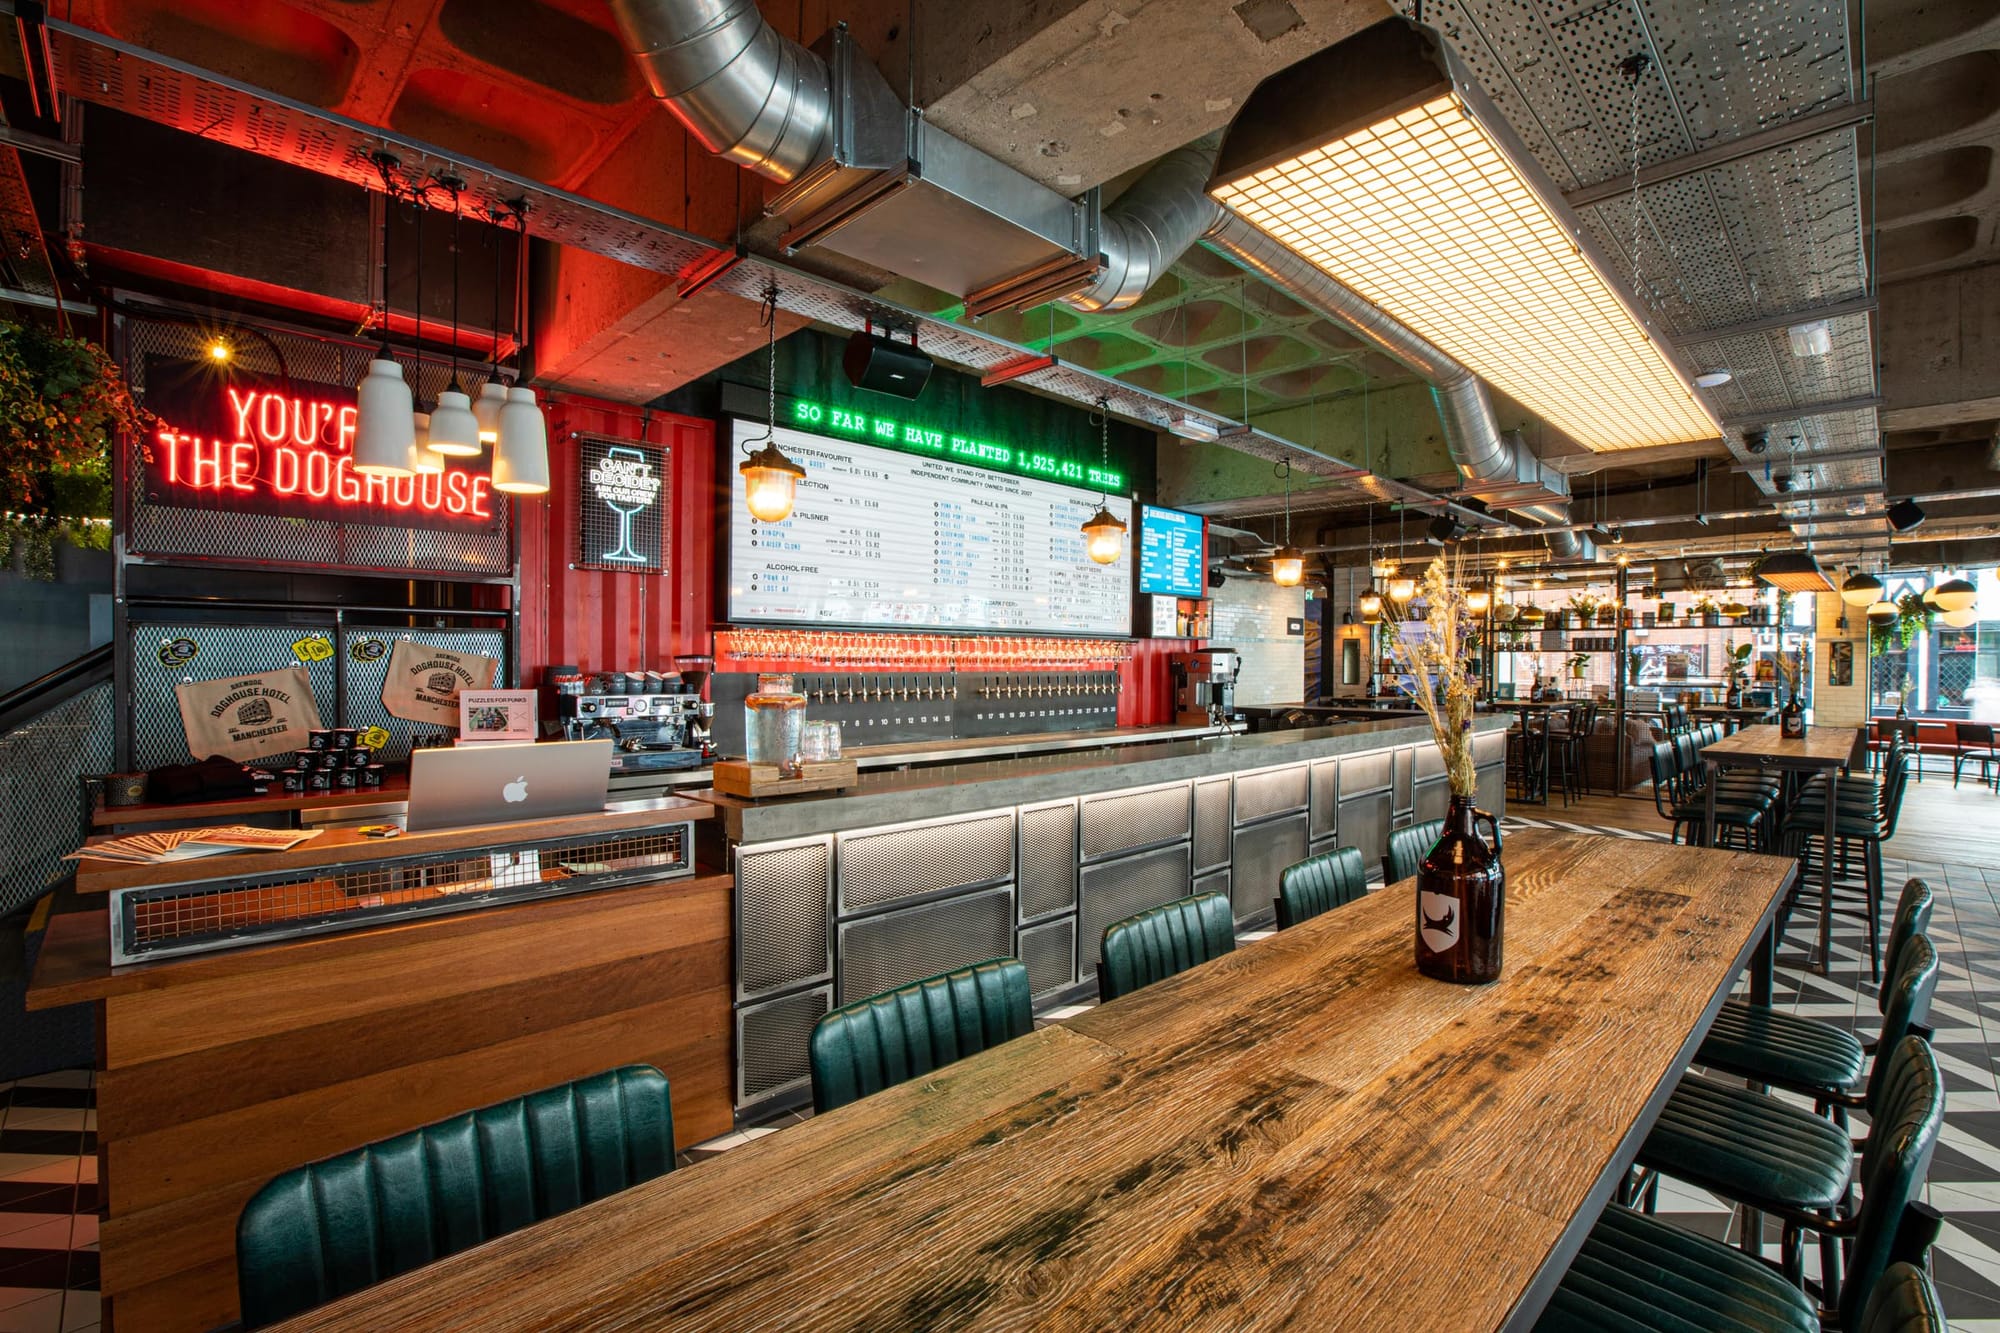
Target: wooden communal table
{"points": [[1734, 719], [1304, 1133], [1823, 750]]}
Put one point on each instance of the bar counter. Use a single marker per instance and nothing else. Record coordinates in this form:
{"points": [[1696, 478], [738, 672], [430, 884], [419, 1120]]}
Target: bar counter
{"points": [[843, 895], [220, 1070]]}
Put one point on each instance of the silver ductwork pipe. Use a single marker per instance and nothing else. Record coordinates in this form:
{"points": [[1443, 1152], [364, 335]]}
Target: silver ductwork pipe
{"points": [[1146, 231], [744, 92], [1471, 434]]}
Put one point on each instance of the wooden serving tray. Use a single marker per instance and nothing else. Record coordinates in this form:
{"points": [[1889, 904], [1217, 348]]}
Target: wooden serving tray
{"points": [[736, 777]]}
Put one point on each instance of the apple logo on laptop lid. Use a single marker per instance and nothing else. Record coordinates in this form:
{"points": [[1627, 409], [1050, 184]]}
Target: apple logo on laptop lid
{"points": [[515, 791]]}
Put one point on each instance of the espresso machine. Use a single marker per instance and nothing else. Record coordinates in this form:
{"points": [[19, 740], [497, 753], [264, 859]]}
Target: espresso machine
{"points": [[656, 721], [1205, 686]]}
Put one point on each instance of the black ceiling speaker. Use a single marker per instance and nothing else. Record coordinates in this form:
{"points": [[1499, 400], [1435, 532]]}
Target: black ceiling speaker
{"points": [[1216, 578], [1905, 515], [874, 362]]}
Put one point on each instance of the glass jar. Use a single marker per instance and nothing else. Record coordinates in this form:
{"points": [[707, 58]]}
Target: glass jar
{"points": [[774, 724]]}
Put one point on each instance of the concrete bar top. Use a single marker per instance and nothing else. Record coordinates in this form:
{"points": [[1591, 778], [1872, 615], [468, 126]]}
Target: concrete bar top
{"points": [[950, 789]]}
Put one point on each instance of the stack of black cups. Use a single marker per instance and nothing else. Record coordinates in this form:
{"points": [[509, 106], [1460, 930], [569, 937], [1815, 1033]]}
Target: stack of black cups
{"points": [[333, 760]]}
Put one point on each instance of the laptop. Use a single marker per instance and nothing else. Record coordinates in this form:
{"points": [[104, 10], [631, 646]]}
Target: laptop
{"points": [[497, 784]]}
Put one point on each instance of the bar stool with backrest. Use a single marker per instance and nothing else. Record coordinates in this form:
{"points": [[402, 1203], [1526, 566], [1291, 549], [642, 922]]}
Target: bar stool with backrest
{"points": [[1890, 729], [1320, 884], [1682, 805], [861, 1048], [1637, 1272], [321, 1231], [1804, 1055], [1866, 819], [1156, 944], [1407, 849], [1975, 744], [1528, 758]]}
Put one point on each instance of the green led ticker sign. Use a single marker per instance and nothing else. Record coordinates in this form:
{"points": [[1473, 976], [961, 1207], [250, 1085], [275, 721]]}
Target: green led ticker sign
{"points": [[907, 437]]}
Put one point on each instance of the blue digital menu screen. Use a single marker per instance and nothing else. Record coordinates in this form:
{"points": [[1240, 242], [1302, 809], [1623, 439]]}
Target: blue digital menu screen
{"points": [[1170, 552]]}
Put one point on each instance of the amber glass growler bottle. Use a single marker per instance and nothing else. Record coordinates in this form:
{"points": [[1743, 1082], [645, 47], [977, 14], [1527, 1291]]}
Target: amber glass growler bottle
{"points": [[1462, 900]]}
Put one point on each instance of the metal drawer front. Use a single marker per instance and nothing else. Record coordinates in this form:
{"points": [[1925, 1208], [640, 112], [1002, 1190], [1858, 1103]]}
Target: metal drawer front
{"points": [[1211, 824], [784, 896], [879, 868], [1046, 881], [1272, 792], [891, 949], [1262, 853], [1127, 821], [1049, 951], [1115, 890], [771, 1042]]}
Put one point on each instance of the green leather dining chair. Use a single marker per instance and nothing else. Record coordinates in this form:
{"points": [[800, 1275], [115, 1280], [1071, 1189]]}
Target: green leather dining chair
{"points": [[323, 1230], [1638, 1273], [864, 1047], [1156, 944], [1407, 849], [1320, 884]]}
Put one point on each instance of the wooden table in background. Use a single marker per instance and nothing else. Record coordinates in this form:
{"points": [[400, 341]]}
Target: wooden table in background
{"points": [[1823, 750], [1304, 1133]]}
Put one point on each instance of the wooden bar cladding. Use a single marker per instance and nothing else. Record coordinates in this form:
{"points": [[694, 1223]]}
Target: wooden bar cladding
{"points": [[220, 1072]]}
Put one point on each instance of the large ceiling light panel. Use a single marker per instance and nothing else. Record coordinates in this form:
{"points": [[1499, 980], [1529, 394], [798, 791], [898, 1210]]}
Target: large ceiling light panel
{"points": [[1382, 164]]}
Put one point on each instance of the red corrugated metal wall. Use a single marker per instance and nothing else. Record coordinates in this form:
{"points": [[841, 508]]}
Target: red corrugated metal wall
{"points": [[603, 621], [600, 620]]}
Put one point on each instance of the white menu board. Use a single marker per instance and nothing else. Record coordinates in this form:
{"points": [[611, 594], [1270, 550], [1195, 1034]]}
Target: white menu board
{"points": [[881, 539]]}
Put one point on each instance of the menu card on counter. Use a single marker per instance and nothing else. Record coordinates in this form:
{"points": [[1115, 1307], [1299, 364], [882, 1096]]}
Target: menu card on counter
{"points": [[878, 538], [188, 843]]}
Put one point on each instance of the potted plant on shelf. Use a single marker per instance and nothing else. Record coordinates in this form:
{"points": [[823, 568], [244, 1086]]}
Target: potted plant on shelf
{"points": [[1585, 605], [61, 401], [1576, 663], [1633, 661], [1738, 657], [1705, 609], [1461, 886]]}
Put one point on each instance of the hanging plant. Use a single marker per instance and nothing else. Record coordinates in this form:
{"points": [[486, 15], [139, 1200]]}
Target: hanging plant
{"points": [[1914, 616], [62, 400]]}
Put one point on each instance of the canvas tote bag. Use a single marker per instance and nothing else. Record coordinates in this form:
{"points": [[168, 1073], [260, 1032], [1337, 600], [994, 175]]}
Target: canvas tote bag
{"points": [[250, 716], [423, 682]]}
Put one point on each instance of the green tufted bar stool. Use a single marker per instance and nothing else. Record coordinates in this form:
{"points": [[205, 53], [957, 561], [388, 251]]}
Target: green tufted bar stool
{"points": [[872, 1044], [1156, 944], [1407, 849], [1904, 1301], [1812, 1058], [1865, 820], [1636, 1273], [334, 1227], [1320, 884]]}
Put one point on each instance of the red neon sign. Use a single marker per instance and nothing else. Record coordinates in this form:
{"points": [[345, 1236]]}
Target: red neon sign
{"points": [[255, 444]]}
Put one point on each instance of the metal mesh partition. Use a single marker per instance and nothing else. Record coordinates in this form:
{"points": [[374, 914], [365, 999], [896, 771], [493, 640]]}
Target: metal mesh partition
{"points": [[886, 867], [1049, 953], [1260, 795], [365, 661], [164, 530], [1130, 820], [1115, 890], [771, 1038], [166, 653], [1047, 876], [891, 949], [1211, 824], [1261, 854], [784, 897], [1325, 798], [41, 765]]}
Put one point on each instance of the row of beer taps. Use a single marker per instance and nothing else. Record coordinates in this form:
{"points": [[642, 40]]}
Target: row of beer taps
{"points": [[859, 688]]}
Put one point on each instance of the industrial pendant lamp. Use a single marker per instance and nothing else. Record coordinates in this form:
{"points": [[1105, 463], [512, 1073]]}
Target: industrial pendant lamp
{"points": [[1882, 613], [1103, 534], [1288, 563], [492, 394], [385, 427], [521, 457], [1401, 586], [1861, 589], [770, 480], [454, 430], [1370, 605], [423, 459], [1955, 595], [1478, 598]]}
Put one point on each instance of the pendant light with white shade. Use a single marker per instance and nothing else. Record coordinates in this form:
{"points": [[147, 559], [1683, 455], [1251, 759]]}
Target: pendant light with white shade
{"points": [[1955, 594], [454, 430], [521, 456], [385, 428], [424, 461], [1860, 589]]}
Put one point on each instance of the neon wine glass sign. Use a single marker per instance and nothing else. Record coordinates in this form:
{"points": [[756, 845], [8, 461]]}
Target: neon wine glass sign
{"points": [[258, 448]]}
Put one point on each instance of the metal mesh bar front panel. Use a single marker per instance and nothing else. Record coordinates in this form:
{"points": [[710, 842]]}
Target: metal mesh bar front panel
{"points": [[366, 654], [1047, 877], [1325, 798], [1127, 821], [784, 901], [1364, 772], [219, 653], [1049, 953], [1262, 853], [1211, 824], [204, 915], [1217, 883], [771, 1044], [891, 949], [1404, 772], [1275, 791], [1489, 747], [1116, 889], [1431, 800], [880, 868], [163, 530], [41, 802]]}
